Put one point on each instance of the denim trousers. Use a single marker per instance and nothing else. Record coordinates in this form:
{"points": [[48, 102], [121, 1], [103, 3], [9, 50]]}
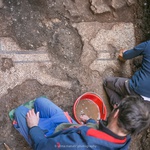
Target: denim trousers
{"points": [[50, 117]]}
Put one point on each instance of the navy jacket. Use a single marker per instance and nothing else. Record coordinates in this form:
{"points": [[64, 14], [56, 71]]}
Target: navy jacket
{"points": [[140, 81], [81, 138]]}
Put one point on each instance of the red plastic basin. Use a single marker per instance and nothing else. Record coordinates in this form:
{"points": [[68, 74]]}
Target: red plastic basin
{"points": [[96, 99]]}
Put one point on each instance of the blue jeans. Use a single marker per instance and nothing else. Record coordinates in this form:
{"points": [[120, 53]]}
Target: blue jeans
{"points": [[50, 117]]}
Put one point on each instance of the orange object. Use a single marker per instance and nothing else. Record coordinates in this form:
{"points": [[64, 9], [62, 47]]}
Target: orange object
{"points": [[68, 117], [120, 56], [96, 99]]}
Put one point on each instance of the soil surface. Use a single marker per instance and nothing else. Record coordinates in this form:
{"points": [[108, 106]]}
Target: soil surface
{"points": [[42, 52]]}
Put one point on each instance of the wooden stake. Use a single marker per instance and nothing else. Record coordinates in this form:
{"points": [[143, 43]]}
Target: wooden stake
{"points": [[6, 146]]}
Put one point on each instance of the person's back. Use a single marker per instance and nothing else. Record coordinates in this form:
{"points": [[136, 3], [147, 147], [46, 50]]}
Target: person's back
{"points": [[140, 81]]}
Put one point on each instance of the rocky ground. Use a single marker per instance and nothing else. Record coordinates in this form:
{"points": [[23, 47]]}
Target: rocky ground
{"points": [[62, 49]]}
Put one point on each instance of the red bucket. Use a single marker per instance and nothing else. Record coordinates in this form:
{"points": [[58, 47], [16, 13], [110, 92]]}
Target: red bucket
{"points": [[94, 98]]}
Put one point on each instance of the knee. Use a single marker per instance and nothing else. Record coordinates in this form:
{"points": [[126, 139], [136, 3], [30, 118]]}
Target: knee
{"points": [[108, 80], [40, 100], [21, 110]]}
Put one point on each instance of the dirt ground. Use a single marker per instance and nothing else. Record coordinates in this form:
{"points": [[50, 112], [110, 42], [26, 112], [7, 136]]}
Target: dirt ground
{"points": [[36, 23]]}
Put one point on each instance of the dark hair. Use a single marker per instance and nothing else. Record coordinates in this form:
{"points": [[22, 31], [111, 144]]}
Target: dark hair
{"points": [[133, 116]]}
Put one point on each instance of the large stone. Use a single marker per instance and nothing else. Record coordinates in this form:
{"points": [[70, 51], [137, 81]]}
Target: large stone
{"points": [[78, 9], [71, 7], [99, 6], [121, 35], [118, 3]]}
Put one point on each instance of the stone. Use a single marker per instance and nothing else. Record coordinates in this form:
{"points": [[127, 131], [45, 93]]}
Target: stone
{"points": [[131, 2], [99, 6], [116, 4], [71, 7]]}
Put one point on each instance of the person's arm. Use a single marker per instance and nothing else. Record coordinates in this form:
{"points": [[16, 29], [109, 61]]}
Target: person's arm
{"points": [[37, 134], [136, 51], [41, 142]]}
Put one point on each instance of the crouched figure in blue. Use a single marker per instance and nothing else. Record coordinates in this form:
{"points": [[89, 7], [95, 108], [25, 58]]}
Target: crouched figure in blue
{"points": [[139, 84], [47, 127]]}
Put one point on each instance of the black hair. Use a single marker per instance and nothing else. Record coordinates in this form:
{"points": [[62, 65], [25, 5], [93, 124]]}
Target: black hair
{"points": [[133, 116]]}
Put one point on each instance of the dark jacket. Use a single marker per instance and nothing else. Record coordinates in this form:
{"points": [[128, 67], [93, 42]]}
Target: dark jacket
{"points": [[81, 138], [140, 81]]}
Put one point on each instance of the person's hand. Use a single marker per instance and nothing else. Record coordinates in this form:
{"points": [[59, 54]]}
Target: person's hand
{"points": [[120, 57], [121, 52], [32, 118], [84, 118]]}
